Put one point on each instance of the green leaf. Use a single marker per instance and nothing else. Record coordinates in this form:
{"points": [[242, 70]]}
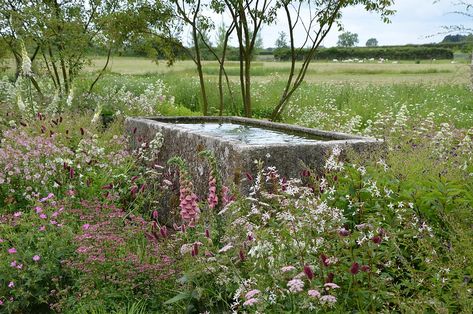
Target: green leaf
{"points": [[179, 297]]}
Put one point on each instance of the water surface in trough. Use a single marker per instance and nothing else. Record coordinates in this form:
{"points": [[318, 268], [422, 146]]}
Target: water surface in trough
{"points": [[252, 135]]}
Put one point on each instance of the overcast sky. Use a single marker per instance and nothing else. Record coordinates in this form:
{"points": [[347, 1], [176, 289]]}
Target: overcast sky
{"points": [[415, 22]]}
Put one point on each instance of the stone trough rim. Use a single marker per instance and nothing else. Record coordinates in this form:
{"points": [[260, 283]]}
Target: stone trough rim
{"points": [[334, 138]]}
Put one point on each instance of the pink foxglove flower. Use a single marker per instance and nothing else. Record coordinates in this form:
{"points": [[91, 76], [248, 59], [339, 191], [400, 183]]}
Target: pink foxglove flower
{"points": [[212, 198]]}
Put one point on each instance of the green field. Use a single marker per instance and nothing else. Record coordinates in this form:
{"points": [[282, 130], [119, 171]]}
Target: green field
{"points": [[442, 71]]}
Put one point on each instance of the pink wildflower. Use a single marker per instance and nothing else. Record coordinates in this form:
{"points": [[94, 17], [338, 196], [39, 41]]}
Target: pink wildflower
{"points": [[227, 197], [331, 285], [355, 268], [85, 226], [376, 239], [44, 199], [1, 302], [19, 266], [241, 254], [328, 299], [164, 231], [12, 250], [38, 209], [155, 215], [286, 269], [42, 228], [195, 249], [325, 260], [313, 293], [189, 207], [365, 268], [250, 302], [17, 214], [43, 216], [36, 258], [252, 293], [11, 284], [82, 249], [212, 198], [13, 264], [308, 272], [53, 222], [295, 285], [226, 248], [343, 232]]}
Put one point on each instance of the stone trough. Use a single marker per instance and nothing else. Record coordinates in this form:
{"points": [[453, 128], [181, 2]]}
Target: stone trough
{"points": [[237, 142]]}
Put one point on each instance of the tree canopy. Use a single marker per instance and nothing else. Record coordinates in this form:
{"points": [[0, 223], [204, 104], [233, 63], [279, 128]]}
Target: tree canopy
{"points": [[347, 39]]}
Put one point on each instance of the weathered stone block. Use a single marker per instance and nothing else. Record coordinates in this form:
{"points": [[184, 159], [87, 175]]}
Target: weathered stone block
{"points": [[236, 157]]}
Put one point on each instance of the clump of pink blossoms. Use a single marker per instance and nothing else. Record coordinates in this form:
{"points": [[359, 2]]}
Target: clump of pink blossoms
{"points": [[188, 202], [212, 198], [295, 285]]}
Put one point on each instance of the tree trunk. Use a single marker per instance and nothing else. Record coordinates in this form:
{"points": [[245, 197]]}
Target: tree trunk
{"points": [[248, 86], [199, 70], [103, 70], [471, 71]]}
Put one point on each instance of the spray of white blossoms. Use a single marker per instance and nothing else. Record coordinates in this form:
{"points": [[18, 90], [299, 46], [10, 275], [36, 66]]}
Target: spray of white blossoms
{"points": [[70, 97], [25, 62], [97, 113], [21, 104]]}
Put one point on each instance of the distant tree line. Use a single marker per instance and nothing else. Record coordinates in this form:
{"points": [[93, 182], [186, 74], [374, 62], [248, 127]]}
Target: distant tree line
{"points": [[393, 53]]}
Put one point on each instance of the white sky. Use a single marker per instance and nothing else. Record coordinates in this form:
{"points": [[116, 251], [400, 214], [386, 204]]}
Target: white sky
{"points": [[415, 22]]}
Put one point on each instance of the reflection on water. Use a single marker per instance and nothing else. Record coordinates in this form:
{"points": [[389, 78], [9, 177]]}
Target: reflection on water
{"points": [[249, 134]]}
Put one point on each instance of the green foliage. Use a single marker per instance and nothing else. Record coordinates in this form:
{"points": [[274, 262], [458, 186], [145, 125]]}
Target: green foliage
{"points": [[372, 42], [392, 53], [458, 38], [347, 39], [281, 42]]}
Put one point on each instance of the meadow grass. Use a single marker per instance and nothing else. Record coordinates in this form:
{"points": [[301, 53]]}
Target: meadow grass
{"points": [[405, 71], [362, 90]]}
